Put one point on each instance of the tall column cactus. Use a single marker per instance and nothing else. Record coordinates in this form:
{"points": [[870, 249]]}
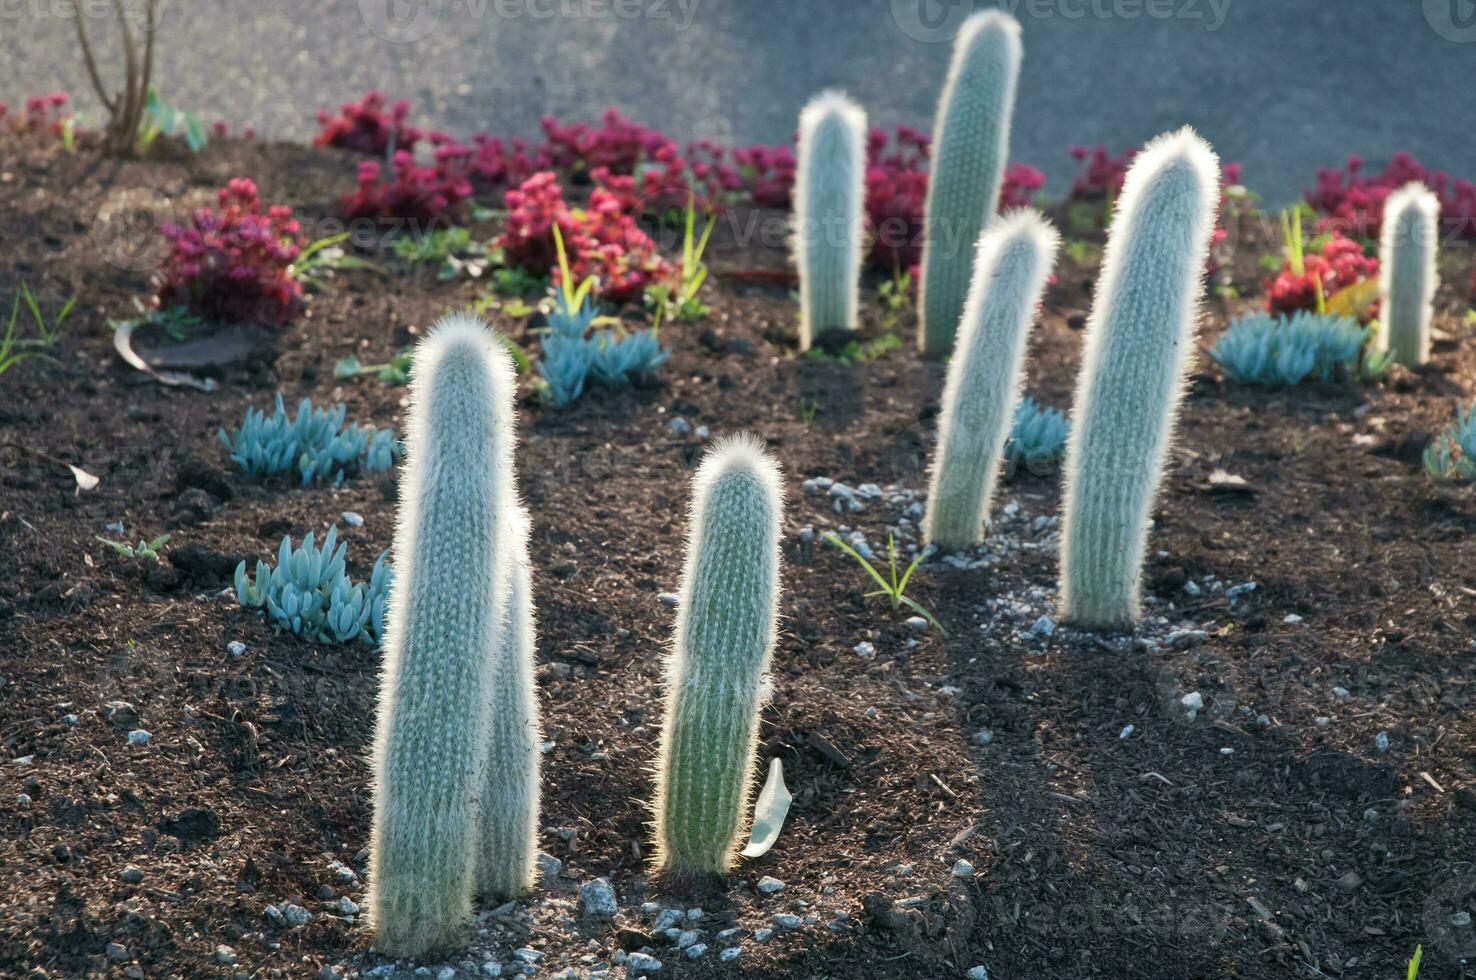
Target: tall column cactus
{"points": [[971, 145], [509, 835], [1014, 259], [717, 669], [442, 628], [1407, 273], [1138, 340], [830, 185]]}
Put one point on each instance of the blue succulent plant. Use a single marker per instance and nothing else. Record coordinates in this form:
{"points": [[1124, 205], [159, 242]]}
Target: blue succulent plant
{"points": [[1451, 455], [1038, 434], [570, 357], [315, 442], [1272, 351], [309, 593]]}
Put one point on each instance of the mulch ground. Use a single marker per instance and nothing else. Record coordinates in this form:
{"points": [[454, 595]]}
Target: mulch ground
{"points": [[1266, 837]]}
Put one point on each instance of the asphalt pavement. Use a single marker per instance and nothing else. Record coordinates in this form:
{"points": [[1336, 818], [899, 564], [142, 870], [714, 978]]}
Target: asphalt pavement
{"points": [[1281, 85]]}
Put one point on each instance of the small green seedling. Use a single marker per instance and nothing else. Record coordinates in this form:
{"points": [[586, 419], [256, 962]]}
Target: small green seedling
{"points": [[15, 349], [573, 295], [395, 371], [450, 248], [682, 302], [896, 295], [320, 260], [164, 120], [895, 589], [809, 408], [143, 550], [1414, 963]]}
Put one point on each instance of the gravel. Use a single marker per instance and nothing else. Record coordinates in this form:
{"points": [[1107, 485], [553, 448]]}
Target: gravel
{"points": [[962, 869]]}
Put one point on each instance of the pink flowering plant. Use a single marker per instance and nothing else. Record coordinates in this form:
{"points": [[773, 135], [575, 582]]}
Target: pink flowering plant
{"points": [[1352, 199], [234, 263], [603, 240]]}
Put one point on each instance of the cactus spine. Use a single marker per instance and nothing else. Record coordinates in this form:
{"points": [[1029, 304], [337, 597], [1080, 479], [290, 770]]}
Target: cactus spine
{"points": [[971, 147], [1407, 273], [509, 836], [717, 670], [1014, 259], [1138, 340], [830, 184], [443, 626]]}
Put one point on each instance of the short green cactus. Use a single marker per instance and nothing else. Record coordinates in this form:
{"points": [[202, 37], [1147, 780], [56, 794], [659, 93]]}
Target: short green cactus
{"points": [[717, 671], [830, 186], [1014, 259], [443, 626], [508, 844], [1138, 341], [1407, 273], [971, 146]]}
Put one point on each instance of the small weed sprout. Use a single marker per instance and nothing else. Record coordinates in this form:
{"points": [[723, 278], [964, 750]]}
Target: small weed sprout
{"points": [[15, 349], [143, 551], [682, 303], [891, 585]]}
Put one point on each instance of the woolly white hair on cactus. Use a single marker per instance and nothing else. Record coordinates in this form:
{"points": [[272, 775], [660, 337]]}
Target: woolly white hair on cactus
{"points": [[1407, 273], [509, 835], [830, 185], [970, 150], [443, 626], [717, 670], [1014, 259], [1138, 340]]}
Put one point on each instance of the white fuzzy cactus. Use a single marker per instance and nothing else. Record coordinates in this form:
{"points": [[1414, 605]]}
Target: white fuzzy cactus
{"points": [[830, 185], [451, 560], [1407, 273], [971, 145], [508, 844], [1138, 341], [1014, 259], [717, 670]]}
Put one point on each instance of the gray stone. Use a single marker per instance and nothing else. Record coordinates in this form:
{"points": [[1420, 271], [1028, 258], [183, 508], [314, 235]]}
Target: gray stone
{"points": [[597, 899]]}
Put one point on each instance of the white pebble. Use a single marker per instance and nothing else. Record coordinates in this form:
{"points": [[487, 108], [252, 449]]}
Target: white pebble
{"points": [[1381, 741], [982, 737], [963, 869], [768, 885], [351, 519], [1127, 730], [235, 648], [731, 954], [139, 737]]}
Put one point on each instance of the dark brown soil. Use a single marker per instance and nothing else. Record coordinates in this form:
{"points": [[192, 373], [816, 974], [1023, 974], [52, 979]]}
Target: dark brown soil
{"points": [[1304, 853]]}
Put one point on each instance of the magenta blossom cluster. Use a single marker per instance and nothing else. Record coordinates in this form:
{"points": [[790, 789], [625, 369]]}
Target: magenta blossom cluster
{"points": [[411, 191], [368, 126], [42, 114], [1102, 173], [601, 240], [234, 264], [1353, 200]]}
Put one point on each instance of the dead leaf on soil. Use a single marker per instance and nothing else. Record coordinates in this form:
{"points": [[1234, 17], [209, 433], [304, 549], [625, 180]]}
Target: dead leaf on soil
{"points": [[769, 812]]}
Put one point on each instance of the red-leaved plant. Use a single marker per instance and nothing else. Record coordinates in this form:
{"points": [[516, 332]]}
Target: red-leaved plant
{"points": [[368, 126], [234, 264], [601, 240], [43, 113], [1353, 200]]}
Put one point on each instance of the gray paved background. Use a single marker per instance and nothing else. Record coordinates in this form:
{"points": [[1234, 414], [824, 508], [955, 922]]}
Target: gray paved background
{"points": [[1281, 85]]}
